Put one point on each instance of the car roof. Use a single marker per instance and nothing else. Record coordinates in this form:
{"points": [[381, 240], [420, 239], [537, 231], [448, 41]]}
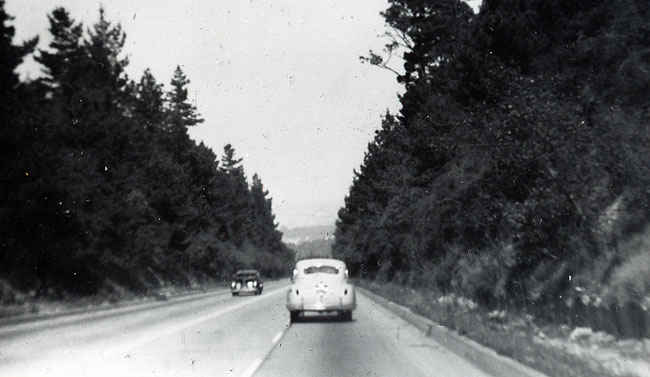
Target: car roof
{"points": [[246, 272], [320, 262]]}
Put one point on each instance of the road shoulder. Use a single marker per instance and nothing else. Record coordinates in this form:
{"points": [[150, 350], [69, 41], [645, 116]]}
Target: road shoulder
{"points": [[482, 357]]}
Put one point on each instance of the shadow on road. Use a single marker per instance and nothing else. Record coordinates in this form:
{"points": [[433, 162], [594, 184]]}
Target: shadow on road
{"points": [[321, 318]]}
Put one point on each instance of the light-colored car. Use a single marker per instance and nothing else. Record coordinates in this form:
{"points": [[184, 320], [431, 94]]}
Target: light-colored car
{"points": [[321, 285]]}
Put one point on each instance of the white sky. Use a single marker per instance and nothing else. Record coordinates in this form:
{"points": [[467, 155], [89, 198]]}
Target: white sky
{"points": [[279, 79]]}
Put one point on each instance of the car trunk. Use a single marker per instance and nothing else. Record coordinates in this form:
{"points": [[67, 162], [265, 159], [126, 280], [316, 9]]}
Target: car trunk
{"points": [[246, 282], [321, 288]]}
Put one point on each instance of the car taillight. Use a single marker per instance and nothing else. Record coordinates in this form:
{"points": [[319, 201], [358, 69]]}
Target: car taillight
{"points": [[254, 284], [233, 284]]}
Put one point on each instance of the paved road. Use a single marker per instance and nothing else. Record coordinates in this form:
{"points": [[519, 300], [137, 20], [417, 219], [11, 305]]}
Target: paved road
{"points": [[220, 335]]}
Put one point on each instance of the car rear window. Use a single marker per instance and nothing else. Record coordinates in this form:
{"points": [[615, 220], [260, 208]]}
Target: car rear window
{"points": [[321, 269], [246, 276]]}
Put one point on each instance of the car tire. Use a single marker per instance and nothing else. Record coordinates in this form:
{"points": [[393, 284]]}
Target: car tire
{"points": [[235, 294], [293, 316], [346, 315]]}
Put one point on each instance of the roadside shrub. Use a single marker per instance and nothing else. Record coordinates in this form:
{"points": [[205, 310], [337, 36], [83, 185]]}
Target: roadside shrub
{"points": [[631, 280]]}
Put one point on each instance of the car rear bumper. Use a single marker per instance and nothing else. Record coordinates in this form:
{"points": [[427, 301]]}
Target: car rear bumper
{"points": [[245, 290], [313, 304]]}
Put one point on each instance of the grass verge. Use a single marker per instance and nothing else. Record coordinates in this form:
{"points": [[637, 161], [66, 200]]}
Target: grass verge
{"points": [[24, 306], [555, 350]]}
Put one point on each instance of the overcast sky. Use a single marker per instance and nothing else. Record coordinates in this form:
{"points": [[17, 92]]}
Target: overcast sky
{"points": [[279, 79]]}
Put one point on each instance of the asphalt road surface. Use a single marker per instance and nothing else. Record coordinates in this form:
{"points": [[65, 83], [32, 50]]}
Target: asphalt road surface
{"points": [[219, 335]]}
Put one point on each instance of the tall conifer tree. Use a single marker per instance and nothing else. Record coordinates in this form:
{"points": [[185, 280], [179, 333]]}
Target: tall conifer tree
{"points": [[149, 104], [64, 49], [181, 112]]}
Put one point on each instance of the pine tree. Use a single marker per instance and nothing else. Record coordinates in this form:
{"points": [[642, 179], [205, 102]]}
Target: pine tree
{"points": [[85, 77], [12, 107], [430, 32], [263, 229], [30, 227], [181, 113], [105, 78], [238, 191], [229, 163], [60, 65], [12, 56], [149, 102], [65, 49]]}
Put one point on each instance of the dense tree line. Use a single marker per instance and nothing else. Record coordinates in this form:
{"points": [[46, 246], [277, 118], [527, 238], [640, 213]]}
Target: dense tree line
{"points": [[520, 160], [102, 186]]}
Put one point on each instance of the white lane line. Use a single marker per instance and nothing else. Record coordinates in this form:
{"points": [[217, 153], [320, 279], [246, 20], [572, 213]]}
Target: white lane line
{"points": [[153, 335], [277, 337], [250, 371]]}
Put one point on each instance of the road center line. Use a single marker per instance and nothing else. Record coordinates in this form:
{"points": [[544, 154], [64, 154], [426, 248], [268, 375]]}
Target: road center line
{"points": [[277, 337], [153, 335], [250, 371]]}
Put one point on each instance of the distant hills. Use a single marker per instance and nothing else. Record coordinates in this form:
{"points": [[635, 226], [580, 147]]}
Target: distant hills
{"points": [[306, 234], [309, 241]]}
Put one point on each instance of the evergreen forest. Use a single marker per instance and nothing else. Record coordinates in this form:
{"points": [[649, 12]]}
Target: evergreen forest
{"points": [[102, 188], [517, 170]]}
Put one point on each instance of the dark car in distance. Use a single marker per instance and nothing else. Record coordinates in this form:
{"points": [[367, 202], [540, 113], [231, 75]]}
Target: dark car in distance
{"points": [[246, 282]]}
